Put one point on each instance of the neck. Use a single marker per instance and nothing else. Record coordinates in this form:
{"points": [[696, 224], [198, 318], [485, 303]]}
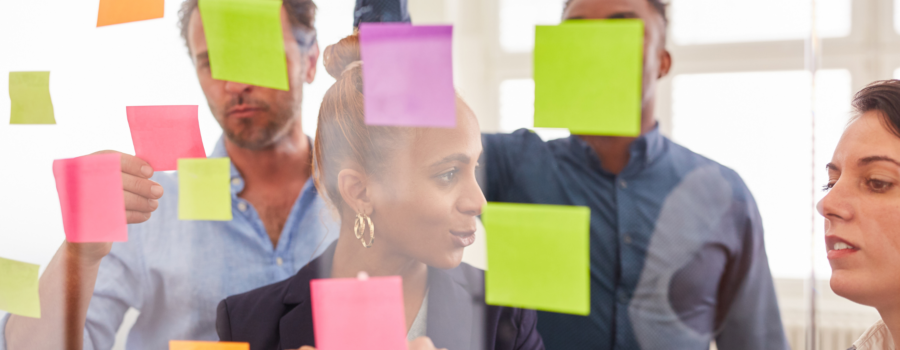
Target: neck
{"points": [[285, 162], [614, 152], [351, 258], [891, 318]]}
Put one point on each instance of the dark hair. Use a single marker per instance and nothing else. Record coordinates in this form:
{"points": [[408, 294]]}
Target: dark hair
{"points": [[659, 5], [302, 14], [882, 96]]}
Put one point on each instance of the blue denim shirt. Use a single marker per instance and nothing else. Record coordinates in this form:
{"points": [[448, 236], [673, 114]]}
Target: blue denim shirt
{"points": [[677, 253], [176, 272]]}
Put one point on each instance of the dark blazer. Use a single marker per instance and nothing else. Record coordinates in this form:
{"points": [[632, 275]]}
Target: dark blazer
{"points": [[279, 316]]}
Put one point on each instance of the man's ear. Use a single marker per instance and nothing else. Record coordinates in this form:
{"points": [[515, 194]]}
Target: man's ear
{"points": [[665, 63], [354, 188], [312, 59]]}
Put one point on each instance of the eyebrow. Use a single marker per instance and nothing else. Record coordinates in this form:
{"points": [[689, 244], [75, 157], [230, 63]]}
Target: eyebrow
{"points": [[831, 166], [458, 157], [872, 159], [617, 15]]}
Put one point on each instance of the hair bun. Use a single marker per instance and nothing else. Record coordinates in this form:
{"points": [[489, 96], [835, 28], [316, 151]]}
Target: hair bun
{"points": [[340, 55]]}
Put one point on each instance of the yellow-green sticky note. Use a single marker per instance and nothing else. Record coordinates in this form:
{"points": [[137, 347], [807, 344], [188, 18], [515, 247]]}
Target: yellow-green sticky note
{"points": [[538, 257], [245, 42], [204, 189], [19, 288], [29, 96], [587, 76]]}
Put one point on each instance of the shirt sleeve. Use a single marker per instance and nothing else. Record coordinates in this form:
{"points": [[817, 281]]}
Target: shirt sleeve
{"points": [[120, 285], [501, 160], [748, 316]]}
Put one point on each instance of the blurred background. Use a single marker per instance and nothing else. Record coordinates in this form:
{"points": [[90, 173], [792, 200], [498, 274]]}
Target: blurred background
{"points": [[739, 93]]}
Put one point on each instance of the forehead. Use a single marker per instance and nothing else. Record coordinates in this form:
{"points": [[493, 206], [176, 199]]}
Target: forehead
{"points": [[599, 9], [197, 37], [867, 136], [435, 143]]}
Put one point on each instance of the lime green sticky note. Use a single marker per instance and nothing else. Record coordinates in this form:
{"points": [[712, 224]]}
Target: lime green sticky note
{"points": [[245, 42], [538, 257], [587, 76], [29, 96], [19, 288], [204, 189]]}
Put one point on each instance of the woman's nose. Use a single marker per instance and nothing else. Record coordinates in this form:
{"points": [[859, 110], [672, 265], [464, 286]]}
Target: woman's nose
{"points": [[836, 203], [472, 200]]}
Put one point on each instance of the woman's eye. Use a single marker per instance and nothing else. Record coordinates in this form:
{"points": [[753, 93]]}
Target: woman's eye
{"points": [[828, 186], [448, 176], [878, 185]]}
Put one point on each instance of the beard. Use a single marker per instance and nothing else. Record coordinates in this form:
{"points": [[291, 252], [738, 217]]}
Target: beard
{"points": [[271, 123]]}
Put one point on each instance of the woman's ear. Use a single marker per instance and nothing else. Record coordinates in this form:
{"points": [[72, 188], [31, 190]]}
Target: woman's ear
{"points": [[354, 188]]}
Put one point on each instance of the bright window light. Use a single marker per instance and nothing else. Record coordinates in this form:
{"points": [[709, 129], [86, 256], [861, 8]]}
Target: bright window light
{"points": [[518, 18]]}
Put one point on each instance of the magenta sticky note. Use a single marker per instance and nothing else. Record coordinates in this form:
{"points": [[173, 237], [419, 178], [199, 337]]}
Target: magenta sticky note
{"points": [[408, 75], [349, 313], [163, 134], [91, 198]]}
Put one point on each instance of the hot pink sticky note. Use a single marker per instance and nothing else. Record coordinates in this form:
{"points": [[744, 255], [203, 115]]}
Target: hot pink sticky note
{"points": [[349, 313], [91, 198], [163, 134], [408, 75]]}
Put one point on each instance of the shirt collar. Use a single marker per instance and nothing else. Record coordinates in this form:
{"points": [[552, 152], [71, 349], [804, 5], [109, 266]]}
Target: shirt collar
{"points": [[237, 181], [644, 150]]}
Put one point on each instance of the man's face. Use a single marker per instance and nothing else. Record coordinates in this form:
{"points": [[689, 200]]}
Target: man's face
{"points": [[656, 59], [254, 117]]}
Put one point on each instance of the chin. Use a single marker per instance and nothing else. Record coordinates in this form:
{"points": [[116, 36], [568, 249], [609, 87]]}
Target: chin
{"points": [[850, 285], [447, 262]]}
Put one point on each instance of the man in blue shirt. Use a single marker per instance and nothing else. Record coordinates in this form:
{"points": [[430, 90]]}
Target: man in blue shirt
{"points": [[677, 254], [176, 272]]}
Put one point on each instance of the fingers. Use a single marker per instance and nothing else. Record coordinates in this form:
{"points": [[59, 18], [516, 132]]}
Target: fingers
{"points": [[146, 188], [422, 343], [135, 217], [137, 203], [135, 166]]}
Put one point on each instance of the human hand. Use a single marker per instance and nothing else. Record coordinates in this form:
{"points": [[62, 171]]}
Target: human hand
{"points": [[141, 193], [420, 343]]}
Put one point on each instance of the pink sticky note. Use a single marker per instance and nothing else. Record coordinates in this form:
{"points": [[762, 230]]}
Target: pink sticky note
{"points": [[163, 134], [91, 198], [358, 314], [408, 75]]}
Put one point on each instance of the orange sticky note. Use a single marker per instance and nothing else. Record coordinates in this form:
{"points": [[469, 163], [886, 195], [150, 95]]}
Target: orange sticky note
{"points": [[124, 11], [206, 345]]}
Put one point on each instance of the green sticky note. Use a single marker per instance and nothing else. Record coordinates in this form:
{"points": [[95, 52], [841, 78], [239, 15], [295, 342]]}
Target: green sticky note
{"points": [[204, 189], [29, 95], [245, 42], [587, 76], [19, 288], [538, 257]]}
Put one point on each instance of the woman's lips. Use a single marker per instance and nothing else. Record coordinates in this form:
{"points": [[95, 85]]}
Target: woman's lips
{"points": [[463, 238], [838, 247]]}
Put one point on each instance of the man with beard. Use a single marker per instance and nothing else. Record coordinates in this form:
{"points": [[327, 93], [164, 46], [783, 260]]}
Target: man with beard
{"points": [[176, 272]]}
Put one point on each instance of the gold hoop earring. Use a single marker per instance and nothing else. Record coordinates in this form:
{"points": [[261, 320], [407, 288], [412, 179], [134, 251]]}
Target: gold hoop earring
{"points": [[359, 229]]}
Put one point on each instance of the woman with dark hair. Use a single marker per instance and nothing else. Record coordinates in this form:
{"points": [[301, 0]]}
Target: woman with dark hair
{"points": [[418, 187], [862, 212]]}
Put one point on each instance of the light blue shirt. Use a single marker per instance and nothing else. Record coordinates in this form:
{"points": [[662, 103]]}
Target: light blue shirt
{"points": [[175, 272]]}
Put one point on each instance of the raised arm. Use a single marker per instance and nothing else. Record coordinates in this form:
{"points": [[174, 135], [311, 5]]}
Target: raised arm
{"points": [[67, 284]]}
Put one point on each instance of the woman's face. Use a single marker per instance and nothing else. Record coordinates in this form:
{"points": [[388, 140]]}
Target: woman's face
{"points": [[425, 204], [862, 213]]}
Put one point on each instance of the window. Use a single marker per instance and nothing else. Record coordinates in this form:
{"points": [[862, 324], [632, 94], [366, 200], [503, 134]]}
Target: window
{"points": [[518, 18], [760, 20], [517, 109], [759, 124]]}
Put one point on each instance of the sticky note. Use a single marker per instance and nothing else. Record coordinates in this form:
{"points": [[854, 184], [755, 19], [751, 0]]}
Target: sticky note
{"points": [[245, 43], [91, 198], [163, 134], [19, 288], [587, 76], [538, 256], [207, 345], [204, 189], [124, 11], [408, 75], [29, 95], [349, 313]]}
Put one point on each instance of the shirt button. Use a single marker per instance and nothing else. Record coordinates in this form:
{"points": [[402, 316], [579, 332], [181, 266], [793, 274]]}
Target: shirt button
{"points": [[242, 206], [623, 184], [236, 181], [279, 261], [627, 239]]}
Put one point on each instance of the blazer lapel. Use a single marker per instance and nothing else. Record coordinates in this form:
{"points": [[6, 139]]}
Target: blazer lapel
{"points": [[296, 325], [455, 315]]}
